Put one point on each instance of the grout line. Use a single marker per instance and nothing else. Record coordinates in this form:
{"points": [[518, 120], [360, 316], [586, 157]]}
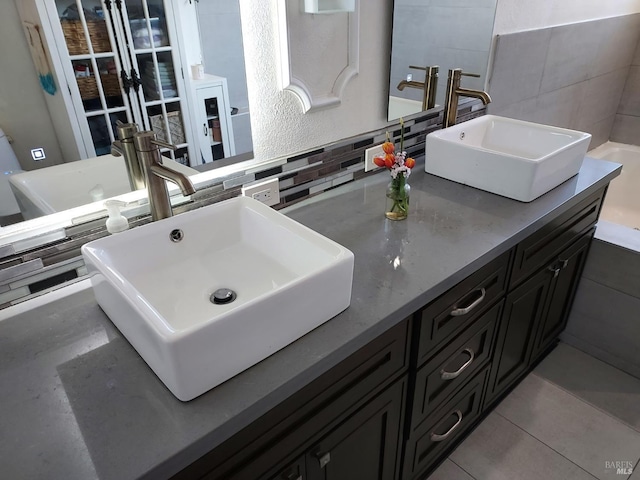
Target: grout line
{"points": [[596, 358], [548, 446], [586, 402], [599, 349], [635, 467], [461, 468]]}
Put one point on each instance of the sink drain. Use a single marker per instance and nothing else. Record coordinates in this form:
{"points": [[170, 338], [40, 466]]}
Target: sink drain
{"points": [[176, 235], [222, 296]]}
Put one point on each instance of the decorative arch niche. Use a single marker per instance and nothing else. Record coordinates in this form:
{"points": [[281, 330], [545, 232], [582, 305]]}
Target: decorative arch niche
{"points": [[319, 54]]}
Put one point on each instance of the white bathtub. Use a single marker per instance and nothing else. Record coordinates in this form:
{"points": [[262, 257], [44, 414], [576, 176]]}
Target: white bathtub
{"points": [[622, 205]]}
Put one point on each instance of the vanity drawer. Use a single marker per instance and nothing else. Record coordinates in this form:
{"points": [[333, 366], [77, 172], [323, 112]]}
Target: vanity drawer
{"points": [[456, 309], [434, 436], [536, 251], [448, 372]]}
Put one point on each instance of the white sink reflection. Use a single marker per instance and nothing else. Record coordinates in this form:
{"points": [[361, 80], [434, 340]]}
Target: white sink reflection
{"points": [[512, 158], [61, 187], [288, 280]]}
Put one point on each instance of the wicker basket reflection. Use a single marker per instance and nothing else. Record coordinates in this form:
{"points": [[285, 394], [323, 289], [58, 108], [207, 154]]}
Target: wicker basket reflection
{"points": [[76, 41], [89, 88], [175, 127]]}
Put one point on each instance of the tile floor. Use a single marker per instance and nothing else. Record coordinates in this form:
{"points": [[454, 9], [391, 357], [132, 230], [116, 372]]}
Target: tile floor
{"points": [[572, 418]]}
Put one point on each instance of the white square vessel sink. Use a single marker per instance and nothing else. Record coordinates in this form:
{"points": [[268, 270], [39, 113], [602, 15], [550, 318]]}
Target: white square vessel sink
{"points": [[516, 159], [288, 280]]}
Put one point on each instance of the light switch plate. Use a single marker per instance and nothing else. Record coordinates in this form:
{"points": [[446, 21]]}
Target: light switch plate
{"points": [[369, 155], [267, 192]]}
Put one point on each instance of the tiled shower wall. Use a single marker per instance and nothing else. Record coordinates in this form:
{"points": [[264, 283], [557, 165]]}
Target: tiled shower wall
{"points": [[626, 128], [570, 76]]}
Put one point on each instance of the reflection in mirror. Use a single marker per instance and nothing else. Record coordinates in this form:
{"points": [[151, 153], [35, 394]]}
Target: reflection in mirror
{"points": [[76, 67], [443, 34]]}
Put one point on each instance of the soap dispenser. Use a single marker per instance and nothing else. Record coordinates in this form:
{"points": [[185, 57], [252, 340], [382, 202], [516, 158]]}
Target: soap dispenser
{"points": [[116, 222]]}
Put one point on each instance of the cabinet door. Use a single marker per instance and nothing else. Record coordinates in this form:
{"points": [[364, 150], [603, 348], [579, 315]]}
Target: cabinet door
{"points": [[92, 66], [210, 105], [364, 446], [569, 267], [524, 309], [295, 471]]}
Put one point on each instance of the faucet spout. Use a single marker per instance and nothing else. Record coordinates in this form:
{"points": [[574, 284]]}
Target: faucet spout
{"points": [[180, 179], [428, 87], [410, 83], [467, 92], [454, 92], [148, 150]]}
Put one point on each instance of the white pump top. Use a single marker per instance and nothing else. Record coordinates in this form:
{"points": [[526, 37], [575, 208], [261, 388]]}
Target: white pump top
{"points": [[116, 222]]}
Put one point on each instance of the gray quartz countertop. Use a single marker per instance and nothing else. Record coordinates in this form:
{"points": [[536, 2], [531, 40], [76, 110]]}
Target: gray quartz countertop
{"points": [[77, 402]]}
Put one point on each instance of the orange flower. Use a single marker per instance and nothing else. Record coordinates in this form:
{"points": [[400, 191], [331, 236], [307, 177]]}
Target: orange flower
{"points": [[388, 147], [389, 160], [379, 161], [410, 162]]}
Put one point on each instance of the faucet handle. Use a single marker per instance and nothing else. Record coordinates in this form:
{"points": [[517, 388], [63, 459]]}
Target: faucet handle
{"points": [[162, 144], [426, 69], [457, 72]]}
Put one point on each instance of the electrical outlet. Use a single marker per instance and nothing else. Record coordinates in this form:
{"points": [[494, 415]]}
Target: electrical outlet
{"points": [[267, 192], [369, 155]]}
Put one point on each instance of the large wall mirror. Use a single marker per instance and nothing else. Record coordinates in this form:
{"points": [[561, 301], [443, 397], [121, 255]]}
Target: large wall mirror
{"points": [[64, 70], [443, 33]]}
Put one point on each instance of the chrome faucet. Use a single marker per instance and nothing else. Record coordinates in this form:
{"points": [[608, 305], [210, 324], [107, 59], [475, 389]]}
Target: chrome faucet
{"points": [[155, 173], [428, 87], [123, 147], [454, 91]]}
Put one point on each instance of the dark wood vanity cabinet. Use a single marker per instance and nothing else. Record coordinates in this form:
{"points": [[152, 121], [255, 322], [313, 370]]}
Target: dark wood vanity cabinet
{"points": [[397, 407], [541, 292], [348, 419], [503, 319]]}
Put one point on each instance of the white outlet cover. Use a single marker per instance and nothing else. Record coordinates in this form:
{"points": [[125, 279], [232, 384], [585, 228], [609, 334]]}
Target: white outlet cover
{"points": [[269, 188], [369, 155]]}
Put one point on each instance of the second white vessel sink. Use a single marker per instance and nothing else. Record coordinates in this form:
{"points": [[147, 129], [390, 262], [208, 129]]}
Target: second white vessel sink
{"points": [[156, 284], [516, 159]]}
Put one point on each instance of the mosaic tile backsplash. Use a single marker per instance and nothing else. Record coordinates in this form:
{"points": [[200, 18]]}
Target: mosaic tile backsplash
{"points": [[50, 264]]}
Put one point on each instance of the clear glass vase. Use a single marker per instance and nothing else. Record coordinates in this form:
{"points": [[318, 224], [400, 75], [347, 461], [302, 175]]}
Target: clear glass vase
{"points": [[397, 204]]}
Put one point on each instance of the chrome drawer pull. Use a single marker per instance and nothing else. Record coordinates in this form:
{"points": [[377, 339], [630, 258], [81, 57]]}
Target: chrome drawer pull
{"points": [[438, 438], [463, 311], [451, 375]]}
